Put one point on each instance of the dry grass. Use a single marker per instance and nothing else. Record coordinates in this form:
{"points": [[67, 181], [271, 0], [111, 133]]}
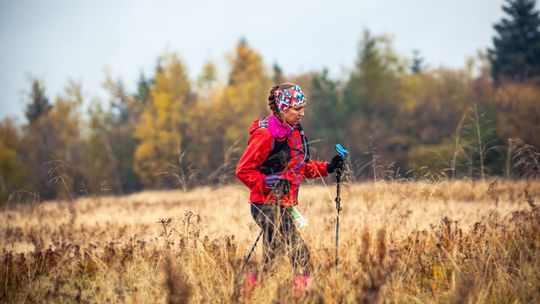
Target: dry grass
{"points": [[399, 242]]}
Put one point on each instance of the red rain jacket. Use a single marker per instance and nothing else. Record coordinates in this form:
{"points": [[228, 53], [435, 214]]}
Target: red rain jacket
{"points": [[259, 146]]}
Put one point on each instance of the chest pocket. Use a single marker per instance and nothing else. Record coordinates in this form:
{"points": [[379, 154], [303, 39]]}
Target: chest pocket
{"points": [[277, 159]]}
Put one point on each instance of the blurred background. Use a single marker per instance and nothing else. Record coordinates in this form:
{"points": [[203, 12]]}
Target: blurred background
{"points": [[112, 97]]}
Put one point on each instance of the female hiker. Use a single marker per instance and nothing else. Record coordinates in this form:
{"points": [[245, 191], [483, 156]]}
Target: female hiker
{"points": [[277, 159]]}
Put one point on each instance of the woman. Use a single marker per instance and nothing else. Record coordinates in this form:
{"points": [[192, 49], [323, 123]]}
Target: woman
{"points": [[277, 158]]}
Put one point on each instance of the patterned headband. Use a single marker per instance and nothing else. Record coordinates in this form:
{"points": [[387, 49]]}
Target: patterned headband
{"points": [[289, 98]]}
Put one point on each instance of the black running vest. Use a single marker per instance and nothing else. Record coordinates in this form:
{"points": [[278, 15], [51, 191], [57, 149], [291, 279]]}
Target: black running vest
{"points": [[280, 155]]}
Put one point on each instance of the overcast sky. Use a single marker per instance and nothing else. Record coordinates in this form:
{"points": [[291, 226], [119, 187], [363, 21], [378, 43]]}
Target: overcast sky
{"points": [[57, 40]]}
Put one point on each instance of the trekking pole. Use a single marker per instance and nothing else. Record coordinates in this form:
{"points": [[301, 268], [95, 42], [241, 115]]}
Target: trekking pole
{"points": [[246, 259], [343, 153]]}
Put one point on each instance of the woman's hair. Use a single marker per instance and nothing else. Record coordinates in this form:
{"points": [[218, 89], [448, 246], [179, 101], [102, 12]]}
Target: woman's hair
{"points": [[271, 98]]}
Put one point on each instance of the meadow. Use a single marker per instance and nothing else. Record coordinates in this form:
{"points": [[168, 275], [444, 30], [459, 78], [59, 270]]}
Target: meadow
{"points": [[404, 242]]}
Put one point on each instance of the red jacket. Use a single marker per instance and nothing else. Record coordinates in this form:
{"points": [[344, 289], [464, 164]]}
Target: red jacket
{"points": [[259, 146]]}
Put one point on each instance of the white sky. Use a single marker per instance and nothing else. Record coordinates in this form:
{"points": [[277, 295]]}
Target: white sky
{"points": [[57, 40]]}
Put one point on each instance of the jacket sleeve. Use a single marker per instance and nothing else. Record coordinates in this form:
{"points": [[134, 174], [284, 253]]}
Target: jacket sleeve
{"points": [[314, 169], [259, 146]]}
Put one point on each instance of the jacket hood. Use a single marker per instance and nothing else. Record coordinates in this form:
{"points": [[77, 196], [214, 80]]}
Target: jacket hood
{"points": [[276, 128], [255, 125]]}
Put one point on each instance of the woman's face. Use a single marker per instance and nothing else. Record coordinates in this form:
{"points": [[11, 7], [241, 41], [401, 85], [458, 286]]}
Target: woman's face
{"points": [[293, 116]]}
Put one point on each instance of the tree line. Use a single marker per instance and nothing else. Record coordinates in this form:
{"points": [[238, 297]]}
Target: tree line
{"points": [[399, 118]]}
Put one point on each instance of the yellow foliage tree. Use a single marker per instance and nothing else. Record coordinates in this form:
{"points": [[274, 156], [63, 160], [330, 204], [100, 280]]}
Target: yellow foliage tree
{"points": [[64, 164], [242, 100], [12, 171], [66, 118], [163, 123]]}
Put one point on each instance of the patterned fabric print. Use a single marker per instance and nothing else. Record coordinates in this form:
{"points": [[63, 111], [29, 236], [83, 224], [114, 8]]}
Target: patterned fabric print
{"points": [[263, 122], [289, 98]]}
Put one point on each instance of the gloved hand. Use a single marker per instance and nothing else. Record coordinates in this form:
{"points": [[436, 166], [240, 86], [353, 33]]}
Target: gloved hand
{"points": [[335, 163], [277, 184]]}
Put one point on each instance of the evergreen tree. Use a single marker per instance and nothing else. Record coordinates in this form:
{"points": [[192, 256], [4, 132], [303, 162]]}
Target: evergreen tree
{"points": [[100, 172], [417, 65], [516, 52], [143, 89], [277, 74], [52, 143], [119, 99], [139, 100], [38, 141], [323, 114], [371, 97], [39, 103], [110, 143], [372, 85]]}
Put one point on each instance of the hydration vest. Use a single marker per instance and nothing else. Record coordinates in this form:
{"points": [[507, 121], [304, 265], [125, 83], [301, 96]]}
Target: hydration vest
{"points": [[280, 155]]}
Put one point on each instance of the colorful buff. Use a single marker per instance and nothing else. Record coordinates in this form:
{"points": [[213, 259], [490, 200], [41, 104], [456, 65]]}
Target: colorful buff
{"points": [[289, 98]]}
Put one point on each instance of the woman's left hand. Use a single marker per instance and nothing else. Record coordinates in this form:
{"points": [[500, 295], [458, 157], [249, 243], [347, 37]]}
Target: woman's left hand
{"points": [[335, 163]]}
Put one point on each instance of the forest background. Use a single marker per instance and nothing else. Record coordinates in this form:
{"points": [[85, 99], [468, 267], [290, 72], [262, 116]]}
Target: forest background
{"points": [[399, 118]]}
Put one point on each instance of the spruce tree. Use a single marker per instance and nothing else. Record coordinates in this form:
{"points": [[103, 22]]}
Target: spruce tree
{"points": [[143, 89], [324, 114], [39, 103], [277, 74], [516, 52], [417, 64]]}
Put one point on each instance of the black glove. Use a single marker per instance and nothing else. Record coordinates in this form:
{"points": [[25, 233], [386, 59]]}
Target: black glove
{"points": [[335, 163]]}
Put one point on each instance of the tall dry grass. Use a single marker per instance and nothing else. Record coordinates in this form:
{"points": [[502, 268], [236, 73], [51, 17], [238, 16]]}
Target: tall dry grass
{"points": [[399, 242]]}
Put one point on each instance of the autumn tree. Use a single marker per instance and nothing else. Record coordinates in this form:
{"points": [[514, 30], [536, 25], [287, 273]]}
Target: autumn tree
{"points": [[12, 170], [163, 124], [202, 129], [64, 166], [206, 81], [520, 112], [240, 102]]}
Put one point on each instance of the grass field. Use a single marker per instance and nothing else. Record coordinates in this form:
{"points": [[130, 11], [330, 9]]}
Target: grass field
{"points": [[413, 242]]}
